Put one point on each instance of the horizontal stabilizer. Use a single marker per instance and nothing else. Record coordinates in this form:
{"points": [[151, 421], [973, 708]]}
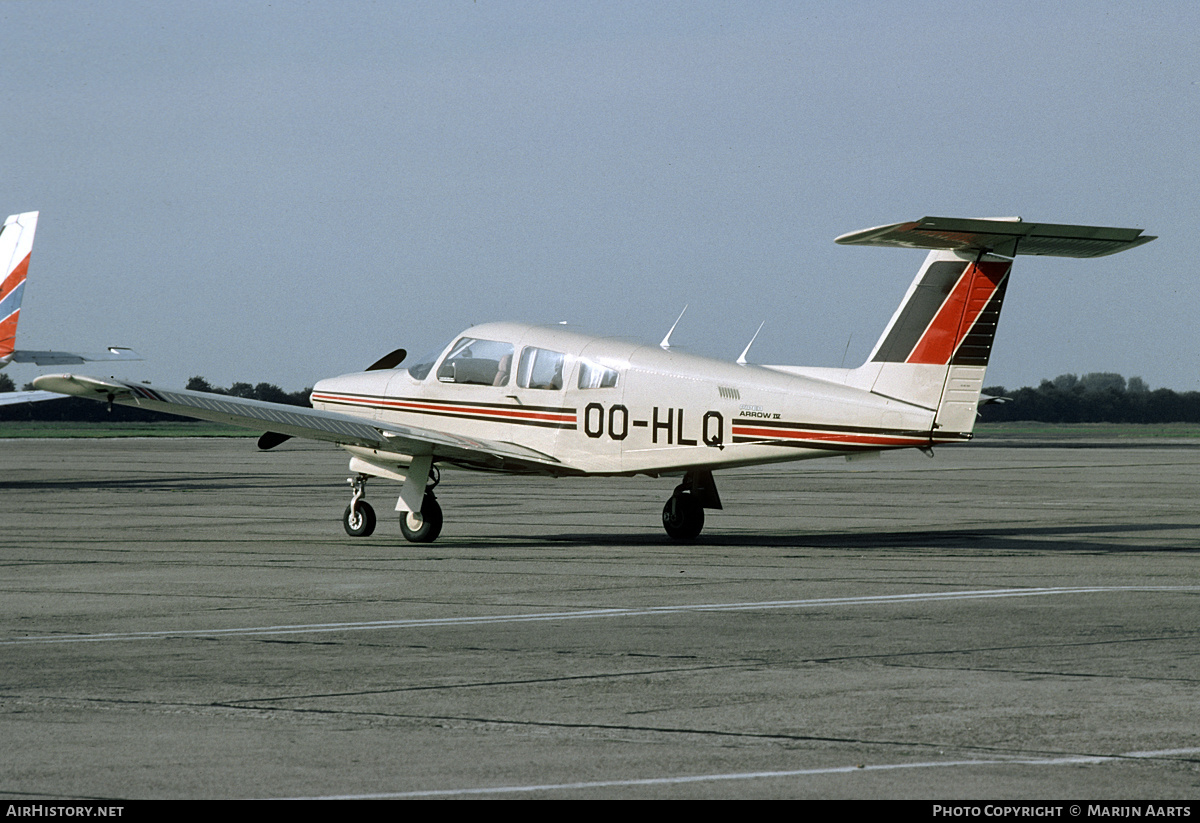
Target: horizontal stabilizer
{"points": [[1004, 237]]}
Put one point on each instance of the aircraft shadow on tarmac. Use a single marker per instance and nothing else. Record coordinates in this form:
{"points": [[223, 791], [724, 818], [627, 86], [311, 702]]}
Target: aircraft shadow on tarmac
{"points": [[1090, 538], [209, 482], [1094, 538]]}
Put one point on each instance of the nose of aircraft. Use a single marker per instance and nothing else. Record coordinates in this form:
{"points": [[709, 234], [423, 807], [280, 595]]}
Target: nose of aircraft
{"points": [[358, 384]]}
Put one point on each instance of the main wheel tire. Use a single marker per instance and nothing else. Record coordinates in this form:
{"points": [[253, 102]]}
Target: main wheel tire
{"points": [[683, 517], [425, 527], [359, 521]]}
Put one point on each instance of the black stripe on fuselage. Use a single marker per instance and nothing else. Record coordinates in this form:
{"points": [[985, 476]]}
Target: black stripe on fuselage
{"points": [[825, 427], [440, 402], [383, 403], [485, 418]]}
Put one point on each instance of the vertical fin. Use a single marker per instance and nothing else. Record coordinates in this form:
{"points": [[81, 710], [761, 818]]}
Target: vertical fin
{"points": [[935, 350], [949, 314], [16, 243]]}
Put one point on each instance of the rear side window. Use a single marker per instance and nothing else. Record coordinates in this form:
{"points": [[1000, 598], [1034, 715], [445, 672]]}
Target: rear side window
{"points": [[596, 376], [541, 369]]}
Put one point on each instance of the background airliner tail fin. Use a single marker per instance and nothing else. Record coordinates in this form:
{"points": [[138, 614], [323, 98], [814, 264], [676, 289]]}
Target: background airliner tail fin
{"points": [[16, 242]]}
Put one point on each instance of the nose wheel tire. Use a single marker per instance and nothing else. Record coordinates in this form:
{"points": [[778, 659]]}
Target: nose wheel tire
{"points": [[425, 526], [683, 517], [359, 519]]}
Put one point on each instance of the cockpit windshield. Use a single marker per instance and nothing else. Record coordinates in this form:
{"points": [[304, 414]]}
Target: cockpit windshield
{"points": [[420, 370], [482, 362]]}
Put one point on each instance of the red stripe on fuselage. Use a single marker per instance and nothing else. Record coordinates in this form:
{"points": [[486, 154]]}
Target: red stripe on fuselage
{"points": [[442, 408], [828, 437], [956, 316]]}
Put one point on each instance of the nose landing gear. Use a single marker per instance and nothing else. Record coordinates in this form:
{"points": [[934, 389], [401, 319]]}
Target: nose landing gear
{"points": [[359, 517]]}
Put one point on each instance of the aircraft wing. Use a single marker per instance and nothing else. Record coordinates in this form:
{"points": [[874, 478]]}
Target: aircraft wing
{"points": [[67, 358], [11, 398], [1008, 237], [312, 424]]}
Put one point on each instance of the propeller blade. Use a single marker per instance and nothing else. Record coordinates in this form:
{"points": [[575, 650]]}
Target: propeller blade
{"points": [[270, 440], [388, 361]]}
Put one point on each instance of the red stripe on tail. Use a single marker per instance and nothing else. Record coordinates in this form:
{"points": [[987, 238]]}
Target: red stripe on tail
{"points": [[15, 277], [960, 311]]}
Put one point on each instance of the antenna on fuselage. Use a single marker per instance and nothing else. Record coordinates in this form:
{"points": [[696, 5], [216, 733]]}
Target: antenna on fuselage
{"points": [[666, 341], [741, 361]]}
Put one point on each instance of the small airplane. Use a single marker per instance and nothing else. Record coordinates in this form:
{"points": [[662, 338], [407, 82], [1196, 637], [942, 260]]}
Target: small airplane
{"points": [[523, 399], [16, 244]]}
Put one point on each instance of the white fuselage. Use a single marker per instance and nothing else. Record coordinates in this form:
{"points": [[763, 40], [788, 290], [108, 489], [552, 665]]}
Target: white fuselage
{"points": [[618, 407]]}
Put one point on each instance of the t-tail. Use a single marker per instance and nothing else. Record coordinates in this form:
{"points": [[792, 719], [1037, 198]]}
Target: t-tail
{"points": [[16, 243], [934, 352]]}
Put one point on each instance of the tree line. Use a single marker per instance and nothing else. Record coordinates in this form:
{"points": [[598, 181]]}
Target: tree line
{"points": [[1098, 397], [260, 391]]}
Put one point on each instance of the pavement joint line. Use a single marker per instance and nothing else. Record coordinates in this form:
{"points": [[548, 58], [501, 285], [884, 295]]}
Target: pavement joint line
{"points": [[1017, 760], [583, 614]]}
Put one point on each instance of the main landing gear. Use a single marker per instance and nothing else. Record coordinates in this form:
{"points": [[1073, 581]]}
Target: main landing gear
{"points": [[423, 526], [417, 527], [683, 516]]}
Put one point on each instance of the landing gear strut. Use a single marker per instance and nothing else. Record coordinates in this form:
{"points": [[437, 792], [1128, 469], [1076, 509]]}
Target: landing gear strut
{"points": [[359, 517], [683, 516], [424, 526]]}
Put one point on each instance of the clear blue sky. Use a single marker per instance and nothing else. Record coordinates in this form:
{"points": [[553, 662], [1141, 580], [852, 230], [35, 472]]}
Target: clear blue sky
{"points": [[276, 191]]}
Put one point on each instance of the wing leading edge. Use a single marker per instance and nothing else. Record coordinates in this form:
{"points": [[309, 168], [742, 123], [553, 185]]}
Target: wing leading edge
{"points": [[12, 398], [312, 424]]}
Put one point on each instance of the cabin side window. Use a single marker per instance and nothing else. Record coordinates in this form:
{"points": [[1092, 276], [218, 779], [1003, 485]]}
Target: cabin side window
{"points": [[596, 376], [479, 362], [541, 369]]}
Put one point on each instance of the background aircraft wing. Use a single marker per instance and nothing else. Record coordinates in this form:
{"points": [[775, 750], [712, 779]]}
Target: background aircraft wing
{"points": [[68, 358], [299, 421], [11, 398]]}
